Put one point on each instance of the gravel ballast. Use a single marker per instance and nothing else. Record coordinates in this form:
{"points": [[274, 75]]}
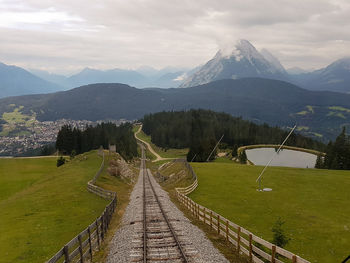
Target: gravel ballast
{"points": [[122, 242]]}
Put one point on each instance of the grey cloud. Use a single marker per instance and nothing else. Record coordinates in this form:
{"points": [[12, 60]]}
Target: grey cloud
{"points": [[127, 34]]}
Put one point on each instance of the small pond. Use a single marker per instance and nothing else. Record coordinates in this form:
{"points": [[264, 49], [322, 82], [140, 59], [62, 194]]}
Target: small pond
{"points": [[287, 158]]}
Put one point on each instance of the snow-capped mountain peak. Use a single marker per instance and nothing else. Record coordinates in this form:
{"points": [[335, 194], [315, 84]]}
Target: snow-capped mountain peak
{"points": [[242, 48], [243, 60], [273, 60]]}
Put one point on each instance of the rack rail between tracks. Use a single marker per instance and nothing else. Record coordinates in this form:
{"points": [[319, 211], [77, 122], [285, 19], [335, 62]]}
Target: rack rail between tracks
{"points": [[147, 181]]}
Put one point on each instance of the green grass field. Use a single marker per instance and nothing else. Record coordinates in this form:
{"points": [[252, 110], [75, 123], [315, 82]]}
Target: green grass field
{"points": [[315, 205], [15, 118], [43, 207]]}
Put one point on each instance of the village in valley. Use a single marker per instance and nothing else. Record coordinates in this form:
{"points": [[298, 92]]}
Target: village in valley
{"points": [[39, 134]]}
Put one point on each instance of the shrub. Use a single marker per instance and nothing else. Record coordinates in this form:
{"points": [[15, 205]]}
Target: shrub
{"points": [[73, 154], [60, 161], [279, 237], [242, 157]]}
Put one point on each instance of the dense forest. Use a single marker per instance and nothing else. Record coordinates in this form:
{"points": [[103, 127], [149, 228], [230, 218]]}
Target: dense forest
{"points": [[201, 129], [72, 140], [337, 154]]}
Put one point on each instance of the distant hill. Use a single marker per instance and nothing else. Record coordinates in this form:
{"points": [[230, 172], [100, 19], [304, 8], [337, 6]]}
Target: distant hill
{"points": [[60, 80], [335, 77], [241, 61], [143, 77], [319, 114], [90, 76], [16, 81], [296, 71]]}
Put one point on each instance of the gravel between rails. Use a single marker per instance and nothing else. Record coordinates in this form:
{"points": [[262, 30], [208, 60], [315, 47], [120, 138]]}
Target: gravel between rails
{"points": [[121, 244]]}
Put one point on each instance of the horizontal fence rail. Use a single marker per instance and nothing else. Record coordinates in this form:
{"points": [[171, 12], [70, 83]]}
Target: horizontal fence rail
{"points": [[81, 247], [257, 249]]}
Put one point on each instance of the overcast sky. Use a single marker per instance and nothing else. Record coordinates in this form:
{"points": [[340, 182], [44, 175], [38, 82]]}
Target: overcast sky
{"points": [[67, 35]]}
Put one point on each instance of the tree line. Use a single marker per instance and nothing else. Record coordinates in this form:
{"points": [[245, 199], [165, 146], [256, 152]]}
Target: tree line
{"points": [[201, 129], [337, 154], [71, 140]]}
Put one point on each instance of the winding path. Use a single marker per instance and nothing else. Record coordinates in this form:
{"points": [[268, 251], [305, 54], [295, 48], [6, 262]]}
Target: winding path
{"points": [[158, 157]]}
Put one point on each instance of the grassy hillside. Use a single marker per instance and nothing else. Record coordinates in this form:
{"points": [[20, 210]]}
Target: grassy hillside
{"points": [[123, 189], [315, 204], [43, 207], [169, 153]]}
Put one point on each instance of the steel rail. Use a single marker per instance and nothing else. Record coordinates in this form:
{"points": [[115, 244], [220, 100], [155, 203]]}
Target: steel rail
{"points": [[144, 208], [182, 253]]}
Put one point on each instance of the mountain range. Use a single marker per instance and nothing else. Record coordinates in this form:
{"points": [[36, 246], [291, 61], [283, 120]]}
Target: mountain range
{"points": [[17, 81], [319, 114], [141, 77], [242, 60], [335, 77]]}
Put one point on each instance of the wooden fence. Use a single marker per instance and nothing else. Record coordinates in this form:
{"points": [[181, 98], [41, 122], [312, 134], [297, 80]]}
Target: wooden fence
{"points": [[81, 247], [257, 249]]}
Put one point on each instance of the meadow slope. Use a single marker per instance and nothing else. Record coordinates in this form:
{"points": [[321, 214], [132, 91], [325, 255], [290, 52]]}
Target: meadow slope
{"points": [[315, 204], [43, 206]]}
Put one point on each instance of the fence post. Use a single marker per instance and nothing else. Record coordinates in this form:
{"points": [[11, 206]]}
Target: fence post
{"points": [[102, 226], [250, 248], [66, 254], [81, 249], [219, 224], [273, 254], [109, 215], [226, 230], [90, 245], [211, 219], [97, 234], [294, 259], [106, 220], [238, 239], [204, 213]]}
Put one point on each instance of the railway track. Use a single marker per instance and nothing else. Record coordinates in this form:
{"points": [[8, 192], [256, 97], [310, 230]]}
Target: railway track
{"points": [[157, 238]]}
